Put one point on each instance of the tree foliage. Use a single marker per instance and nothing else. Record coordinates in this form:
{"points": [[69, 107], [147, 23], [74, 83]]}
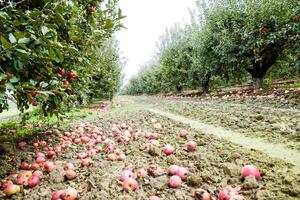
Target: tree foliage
{"points": [[228, 42], [38, 39]]}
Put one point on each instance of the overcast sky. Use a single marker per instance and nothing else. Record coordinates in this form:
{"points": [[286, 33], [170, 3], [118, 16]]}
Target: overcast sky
{"points": [[146, 21]]}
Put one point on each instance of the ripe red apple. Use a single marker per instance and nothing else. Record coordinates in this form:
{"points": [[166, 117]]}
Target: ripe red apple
{"points": [[22, 144], [183, 133], [40, 160], [130, 184], [36, 145], [5, 184], [69, 166], [182, 173], [33, 94], [11, 190], [25, 174], [62, 72], [251, 170], [66, 82], [57, 195], [69, 194], [86, 162], [227, 192], [201, 194], [40, 154], [172, 169], [175, 181], [22, 181], [43, 143], [33, 181], [191, 146], [34, 103], [38, 173], [121, 156], [24, 166], [49, 166], [35, 166], [126, 174], [72, 75], [50, 154], [169, 149], [70, 174]]}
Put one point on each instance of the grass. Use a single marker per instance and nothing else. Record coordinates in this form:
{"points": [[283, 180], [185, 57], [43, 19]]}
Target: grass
{"points": [[36, 124]]}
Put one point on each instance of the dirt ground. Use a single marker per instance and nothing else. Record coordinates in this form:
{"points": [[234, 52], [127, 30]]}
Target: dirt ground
{"points": [[215, 164]]}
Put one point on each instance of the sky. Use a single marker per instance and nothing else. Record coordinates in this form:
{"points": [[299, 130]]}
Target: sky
{"points": [[145, 22]]}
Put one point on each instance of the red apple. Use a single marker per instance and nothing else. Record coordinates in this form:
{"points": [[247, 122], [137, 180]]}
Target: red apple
{"points": [[22, 144], [24, 166], [251, 170], [183, 133], [201, 194], [169, 149], [182, 173], [5, 184], [175, 181], [69, 194], [33, 181], [191, 146], [130, 184], [72, 75], [70, 174], [11, 190], [227, 192], [172, 169], [62, 72]]}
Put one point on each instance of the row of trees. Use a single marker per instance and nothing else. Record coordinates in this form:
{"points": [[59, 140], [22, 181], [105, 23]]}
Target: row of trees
{"points": [[56, 52], [227, 42]]}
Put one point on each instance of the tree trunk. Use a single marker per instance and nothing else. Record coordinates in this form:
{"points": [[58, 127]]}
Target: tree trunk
{"points": [[257, 82], [205, 84], [205, 87], [269, 57]]}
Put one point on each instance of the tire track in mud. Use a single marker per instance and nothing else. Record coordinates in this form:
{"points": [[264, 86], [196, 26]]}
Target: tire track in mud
{"points": [[278, 151]]}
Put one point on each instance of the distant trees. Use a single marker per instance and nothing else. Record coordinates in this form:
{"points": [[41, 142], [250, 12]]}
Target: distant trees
{"points": [[228, 41]]}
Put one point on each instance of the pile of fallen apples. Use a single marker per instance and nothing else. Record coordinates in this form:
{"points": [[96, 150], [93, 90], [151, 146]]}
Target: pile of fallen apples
{"points": [[94, 140]]}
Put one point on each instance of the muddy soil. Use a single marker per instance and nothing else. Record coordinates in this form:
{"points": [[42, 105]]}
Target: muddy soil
{"points": [[273, 120], [215, 164]]}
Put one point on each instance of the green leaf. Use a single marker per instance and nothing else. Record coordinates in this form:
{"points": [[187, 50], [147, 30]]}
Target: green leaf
{"points": [[52, 54], [24, 40], [33, 82], [22, 51], [9, 87], [60, 55], [43, 84], [14, 80], [35, 13], [12, 38], [45, 92], [2, 76], [53, 82], [5, 43], [4, 15], [45, 30]]}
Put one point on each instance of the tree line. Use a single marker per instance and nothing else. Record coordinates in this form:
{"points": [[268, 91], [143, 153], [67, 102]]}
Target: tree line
{"points": [[227, 42]]}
